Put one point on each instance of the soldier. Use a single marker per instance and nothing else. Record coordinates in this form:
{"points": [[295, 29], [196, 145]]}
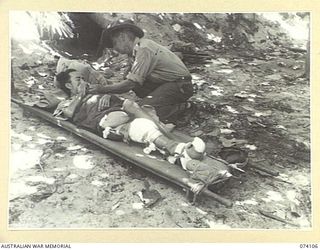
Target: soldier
{"points": [[157, 75]]}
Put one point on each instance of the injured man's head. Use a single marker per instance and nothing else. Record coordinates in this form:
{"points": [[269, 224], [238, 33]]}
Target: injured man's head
{"points": [[71, 82]]}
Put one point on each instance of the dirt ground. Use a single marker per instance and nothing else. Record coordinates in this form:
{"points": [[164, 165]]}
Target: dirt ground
{"points": [[260, 104]]}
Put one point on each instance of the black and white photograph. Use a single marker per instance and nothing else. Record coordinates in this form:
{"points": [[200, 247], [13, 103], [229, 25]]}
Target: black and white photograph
{"points": [[172, 120]]}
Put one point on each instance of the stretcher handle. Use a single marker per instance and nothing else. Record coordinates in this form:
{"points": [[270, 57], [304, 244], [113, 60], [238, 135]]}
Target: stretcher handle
{"points": [[224, 201]]}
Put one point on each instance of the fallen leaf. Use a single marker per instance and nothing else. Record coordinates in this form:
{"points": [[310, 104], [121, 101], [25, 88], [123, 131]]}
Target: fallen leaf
{"points": [[223, 61], [233, 142], [296, 67], [242, 94], [226, 131], [42, 74], [258, 114], [251, 147], [232, 110], [265, 84], [201, 211], [76, 147], [274, 77], [226, 71], [281, 127]]}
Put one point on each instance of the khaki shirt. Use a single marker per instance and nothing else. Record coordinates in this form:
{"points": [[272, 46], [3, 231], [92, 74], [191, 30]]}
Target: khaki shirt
{"points": [[156, 64]]}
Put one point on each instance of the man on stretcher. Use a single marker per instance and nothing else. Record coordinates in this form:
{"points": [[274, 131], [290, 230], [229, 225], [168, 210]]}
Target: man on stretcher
{"points": [[122, 119]]}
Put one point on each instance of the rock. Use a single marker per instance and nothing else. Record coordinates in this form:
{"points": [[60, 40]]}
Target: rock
{"points": [[295, 210], [150, 197], [24, 66], [281, 64], [176, 27]]}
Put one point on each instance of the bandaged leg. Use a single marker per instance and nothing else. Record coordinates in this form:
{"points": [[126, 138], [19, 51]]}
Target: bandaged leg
{"points": [[143, 130], [148, 112], [146, 131]]}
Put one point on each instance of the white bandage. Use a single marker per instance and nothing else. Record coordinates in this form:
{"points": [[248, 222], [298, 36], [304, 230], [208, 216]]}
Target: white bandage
{"points": [[185, 158], [102, 121], [106, 132], [199, 145], [150, 148], [114, 119], [143, 130]]}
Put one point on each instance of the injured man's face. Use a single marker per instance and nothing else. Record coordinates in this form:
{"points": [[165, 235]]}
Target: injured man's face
{"points": [[76, 84]]}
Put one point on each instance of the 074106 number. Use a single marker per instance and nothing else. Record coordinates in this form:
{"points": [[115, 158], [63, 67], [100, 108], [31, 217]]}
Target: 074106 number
{"points": [[309, 246]]}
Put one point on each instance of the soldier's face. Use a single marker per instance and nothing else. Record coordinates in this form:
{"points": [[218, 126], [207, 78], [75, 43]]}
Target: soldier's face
{"points": [[121, 43]]}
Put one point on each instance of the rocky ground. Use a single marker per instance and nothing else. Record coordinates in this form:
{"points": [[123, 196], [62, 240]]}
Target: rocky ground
{"points": [[255, 101]]}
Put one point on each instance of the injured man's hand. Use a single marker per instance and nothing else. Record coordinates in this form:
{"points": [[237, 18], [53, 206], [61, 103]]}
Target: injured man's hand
{"points": [[104, 102]]}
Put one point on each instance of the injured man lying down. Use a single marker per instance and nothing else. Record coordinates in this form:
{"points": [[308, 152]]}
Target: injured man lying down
{"points": [[116, 118]]}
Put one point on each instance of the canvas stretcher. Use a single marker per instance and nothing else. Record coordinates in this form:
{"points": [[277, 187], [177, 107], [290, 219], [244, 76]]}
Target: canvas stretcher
{"points": [[134, 154]]}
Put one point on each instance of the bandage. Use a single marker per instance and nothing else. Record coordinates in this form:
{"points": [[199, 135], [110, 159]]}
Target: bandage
{"points": [[143, 130], [189, 151], [196, 149], [106, 132], [114, 119], [150, 148]]}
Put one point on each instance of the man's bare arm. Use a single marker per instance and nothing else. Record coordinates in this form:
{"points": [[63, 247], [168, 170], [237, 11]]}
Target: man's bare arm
{"points": [[119, 88]]}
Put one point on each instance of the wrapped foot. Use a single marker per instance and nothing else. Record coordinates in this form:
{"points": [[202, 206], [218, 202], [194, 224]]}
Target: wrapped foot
{"points": [[194, 150]]}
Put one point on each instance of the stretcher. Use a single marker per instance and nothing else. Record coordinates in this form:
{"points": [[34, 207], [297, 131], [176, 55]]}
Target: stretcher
{"points": [[132, 153]]}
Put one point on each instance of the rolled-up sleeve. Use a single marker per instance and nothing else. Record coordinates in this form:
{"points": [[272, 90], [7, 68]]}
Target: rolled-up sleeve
{"points": [[141, 65]]}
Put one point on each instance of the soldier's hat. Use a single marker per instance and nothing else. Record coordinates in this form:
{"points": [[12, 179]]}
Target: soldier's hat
{"points": [[105, 40]]}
